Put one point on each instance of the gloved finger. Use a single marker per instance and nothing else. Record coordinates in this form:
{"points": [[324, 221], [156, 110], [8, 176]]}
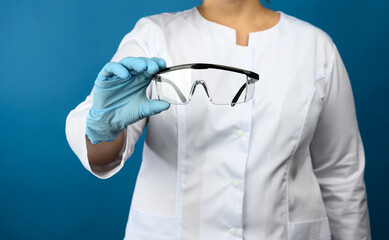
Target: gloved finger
{"points": [[151, 107], [134, 65], [152, 67], [114, 69], [161, 63]]}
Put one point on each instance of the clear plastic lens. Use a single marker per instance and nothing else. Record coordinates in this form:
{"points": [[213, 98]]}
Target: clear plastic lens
{"points": [[250, 88], [224, 87], [174, 86]]}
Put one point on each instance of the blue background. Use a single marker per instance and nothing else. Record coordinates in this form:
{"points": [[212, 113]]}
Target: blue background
{"points": [[50, 53]]}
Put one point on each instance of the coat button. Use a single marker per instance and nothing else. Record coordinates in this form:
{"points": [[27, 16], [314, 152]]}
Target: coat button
{"points": [[232, 231], [235, 182], [239, 133]]}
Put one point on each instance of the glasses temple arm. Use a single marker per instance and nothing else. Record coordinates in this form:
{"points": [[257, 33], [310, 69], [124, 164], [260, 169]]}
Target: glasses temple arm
{"points": [[236, 98], [179, 93]]}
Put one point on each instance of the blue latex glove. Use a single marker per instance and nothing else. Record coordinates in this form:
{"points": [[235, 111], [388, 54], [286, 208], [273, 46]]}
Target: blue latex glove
{"points": [[119, 97]]}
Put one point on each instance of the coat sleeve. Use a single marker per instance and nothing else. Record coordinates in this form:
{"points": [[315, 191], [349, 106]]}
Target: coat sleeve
{"points": [[134, 44], [338, 156]]}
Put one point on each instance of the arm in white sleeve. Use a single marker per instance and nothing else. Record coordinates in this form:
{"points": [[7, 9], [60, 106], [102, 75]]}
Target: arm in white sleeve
{"points": [[134, 44], [75, 134], [338, 157]]}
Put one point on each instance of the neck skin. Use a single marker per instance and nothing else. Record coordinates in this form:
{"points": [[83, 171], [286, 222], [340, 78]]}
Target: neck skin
{"points": [[244, 16]]}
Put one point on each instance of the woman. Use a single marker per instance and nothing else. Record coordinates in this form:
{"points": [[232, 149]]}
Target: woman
{"points": [[287, 164]]}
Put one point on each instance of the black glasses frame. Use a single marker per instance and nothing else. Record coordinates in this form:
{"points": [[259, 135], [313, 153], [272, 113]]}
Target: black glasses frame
{"points": [[252, 77], [208, 65]]}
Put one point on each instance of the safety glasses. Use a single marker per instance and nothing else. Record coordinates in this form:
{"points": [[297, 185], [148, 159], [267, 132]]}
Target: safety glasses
{"points": [[223, 85]]}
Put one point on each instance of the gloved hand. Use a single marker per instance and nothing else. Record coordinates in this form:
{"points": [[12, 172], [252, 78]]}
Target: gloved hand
{"points": [[119, 97]]}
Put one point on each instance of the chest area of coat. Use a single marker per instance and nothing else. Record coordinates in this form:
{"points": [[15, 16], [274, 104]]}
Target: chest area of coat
{"points": [[282, 95]]}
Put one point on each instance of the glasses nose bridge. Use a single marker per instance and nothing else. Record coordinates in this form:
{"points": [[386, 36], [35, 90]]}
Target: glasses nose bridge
{"points": [[202, 83]]}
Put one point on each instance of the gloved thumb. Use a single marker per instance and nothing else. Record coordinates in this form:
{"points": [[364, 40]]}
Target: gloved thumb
{"points": [[154, 106]]}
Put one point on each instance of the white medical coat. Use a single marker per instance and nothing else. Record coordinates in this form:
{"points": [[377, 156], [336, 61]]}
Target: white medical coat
{"points": [[288, 164]]}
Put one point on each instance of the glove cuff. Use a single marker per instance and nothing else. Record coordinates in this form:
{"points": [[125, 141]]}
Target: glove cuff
{"points": [[98, 128]]}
